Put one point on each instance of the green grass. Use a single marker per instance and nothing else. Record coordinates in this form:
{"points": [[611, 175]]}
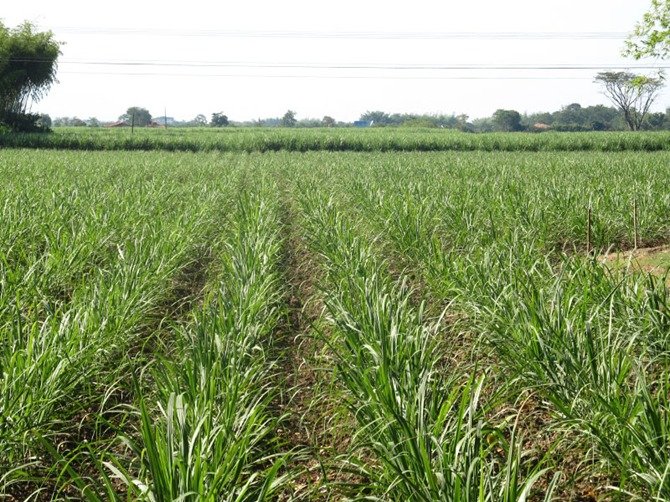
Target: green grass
{"points": [[336, 140], [654, 261], [424, 426], [479, 351], [659, 260], [592, 344]]}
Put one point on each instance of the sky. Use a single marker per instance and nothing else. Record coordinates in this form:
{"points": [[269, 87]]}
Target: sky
{"points": [[260, 58]]}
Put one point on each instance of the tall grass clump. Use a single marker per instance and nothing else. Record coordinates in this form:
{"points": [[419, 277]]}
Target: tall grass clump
{"points": [[591, 341], [426, 432], [585, 339], [388, 139], [210, 433], [90, 271]]}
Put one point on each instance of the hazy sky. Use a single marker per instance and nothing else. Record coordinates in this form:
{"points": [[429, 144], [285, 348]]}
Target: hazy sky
{"points": [[259, 58]]}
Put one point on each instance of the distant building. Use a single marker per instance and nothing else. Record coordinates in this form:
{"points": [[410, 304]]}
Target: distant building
{"points": [[123, 123], [363, 123], [539, 126], [166, 121]]}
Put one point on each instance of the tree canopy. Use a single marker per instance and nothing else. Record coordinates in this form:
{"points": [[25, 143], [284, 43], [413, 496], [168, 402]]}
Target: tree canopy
{"points": [[219, 119], [137, 116], [289, 120], [507, 120], [632, 94], [651, 36], [28, 64], [200, 120]]}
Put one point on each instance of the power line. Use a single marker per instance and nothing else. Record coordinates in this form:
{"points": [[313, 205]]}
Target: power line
{"points": [[353, 35], [324, 77], [362, 66]]}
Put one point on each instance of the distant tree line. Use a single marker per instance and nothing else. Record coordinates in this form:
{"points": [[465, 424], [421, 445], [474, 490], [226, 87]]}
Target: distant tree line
{"points": [[381, 119], [632, 96], [572, 117]]}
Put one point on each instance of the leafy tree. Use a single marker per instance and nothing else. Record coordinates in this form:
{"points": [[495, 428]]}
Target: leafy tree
{"points": [[307, 123], [507, 120], [399, 118], [597, 125], [199, 120], [379, 118], [573, 113], [651, 36], [376, 117], [44, 121], [328, 121], [28, 64], [654, 121], [93, 122], [601, 115], [571, 118], [138, 116], [219, 120], [632, 94], [289, 120], [418, 121], [462, 123]]}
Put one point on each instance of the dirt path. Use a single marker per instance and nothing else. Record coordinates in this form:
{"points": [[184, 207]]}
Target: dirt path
{"points": [[317, 427], [654, 260]]}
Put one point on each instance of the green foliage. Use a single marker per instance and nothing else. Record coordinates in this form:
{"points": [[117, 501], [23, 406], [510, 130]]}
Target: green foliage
{"points": [[655, 121], [136, 115], [72, 122], [208, 438], [651, 37], [100, 371], [44, 121], [331, 139], [25, 122], [327, 121], [219, 120], [379, 118], [426, 430], [632, 94], [199, 120], [487, 236], [289, 120], [476, 348], [574, 117], [27, 72], [418, 122], [507, 120]]}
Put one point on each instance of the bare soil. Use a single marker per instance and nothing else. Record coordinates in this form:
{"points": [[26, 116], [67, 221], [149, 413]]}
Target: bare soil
{"points": [[317, 427], [652, 260]]}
